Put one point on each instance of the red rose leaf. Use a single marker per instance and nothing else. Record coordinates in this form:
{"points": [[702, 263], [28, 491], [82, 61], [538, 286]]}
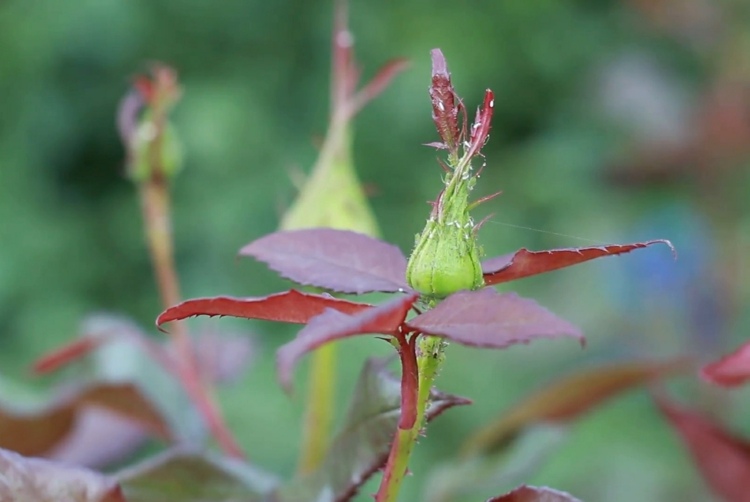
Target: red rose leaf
{"points": [[525, 263], [290, 306], [486, 318], [338, 260]]}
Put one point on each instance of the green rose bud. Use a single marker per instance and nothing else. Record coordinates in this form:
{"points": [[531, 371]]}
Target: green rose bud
{"points": [[445, 260], [446, 256]]}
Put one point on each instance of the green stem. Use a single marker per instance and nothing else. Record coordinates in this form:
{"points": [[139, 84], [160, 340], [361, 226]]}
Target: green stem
{"points": [[319, 410], [396, 467], [332, 197], [429, 360]]}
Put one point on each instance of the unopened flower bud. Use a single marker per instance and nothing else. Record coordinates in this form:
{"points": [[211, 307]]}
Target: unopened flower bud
{"points": [[446, 256], [446, 260]]}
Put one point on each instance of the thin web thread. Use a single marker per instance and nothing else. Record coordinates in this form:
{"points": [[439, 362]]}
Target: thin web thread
{"points": [[548, 232]]}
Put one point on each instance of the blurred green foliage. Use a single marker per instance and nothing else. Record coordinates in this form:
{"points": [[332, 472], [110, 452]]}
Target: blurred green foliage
{"points": [[255, 79]]}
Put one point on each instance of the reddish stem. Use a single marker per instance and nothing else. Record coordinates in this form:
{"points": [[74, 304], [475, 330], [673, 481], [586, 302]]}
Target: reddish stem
{"points": [[409, 381], [204, 400], [156, 213]]}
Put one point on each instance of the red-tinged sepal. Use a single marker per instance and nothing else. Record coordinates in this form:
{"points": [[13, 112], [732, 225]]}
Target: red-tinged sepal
{"points": [[333, 325], [480, 129], [290, 306], [445, 104], [525, 263]]}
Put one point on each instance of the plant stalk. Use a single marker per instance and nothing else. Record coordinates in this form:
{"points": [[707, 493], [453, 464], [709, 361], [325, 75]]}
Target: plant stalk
{"points": [[319, 409], [333, 173], [429, 360], [155, 204]]}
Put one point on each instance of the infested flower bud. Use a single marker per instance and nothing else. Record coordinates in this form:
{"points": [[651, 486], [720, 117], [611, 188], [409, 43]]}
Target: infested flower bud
{"points": [[446, 256], [445, 260]]}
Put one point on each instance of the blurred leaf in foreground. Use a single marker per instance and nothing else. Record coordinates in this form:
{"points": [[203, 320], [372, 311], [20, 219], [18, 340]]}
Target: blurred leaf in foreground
{"points": [[37, 432], [32, 479], [722, 459], [535, 494], [184, 476], [567, 399], [510, 449], [731, 370], [460, 479], [118, 350]]}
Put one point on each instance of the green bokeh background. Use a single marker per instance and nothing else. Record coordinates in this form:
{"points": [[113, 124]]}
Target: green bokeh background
{"points": [[255, 77]]}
